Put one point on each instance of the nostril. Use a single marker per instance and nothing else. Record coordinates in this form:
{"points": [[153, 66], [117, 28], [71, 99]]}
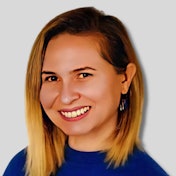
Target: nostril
{"points": [[69, 98], [68, 92]]}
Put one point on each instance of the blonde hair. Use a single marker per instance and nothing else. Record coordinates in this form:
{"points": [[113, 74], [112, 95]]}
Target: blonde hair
{"points": [[45, 151]]}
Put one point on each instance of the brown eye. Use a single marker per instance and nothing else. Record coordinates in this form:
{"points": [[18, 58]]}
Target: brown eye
{"points": [[84, 75], [51, 78]]}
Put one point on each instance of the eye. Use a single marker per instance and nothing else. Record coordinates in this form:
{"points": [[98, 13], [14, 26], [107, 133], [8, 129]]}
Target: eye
{"points": [[51, 78], [84, 75]]}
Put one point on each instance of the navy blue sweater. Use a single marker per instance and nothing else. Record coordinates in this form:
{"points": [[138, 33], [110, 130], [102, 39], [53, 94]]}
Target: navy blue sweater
{"points": [[92, 164]]}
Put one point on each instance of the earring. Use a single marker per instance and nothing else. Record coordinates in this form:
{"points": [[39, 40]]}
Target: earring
{"points": [[123, 103]]}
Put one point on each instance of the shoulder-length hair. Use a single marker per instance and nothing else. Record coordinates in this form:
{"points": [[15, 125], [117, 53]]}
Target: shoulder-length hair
{"points": [[45, 151]]}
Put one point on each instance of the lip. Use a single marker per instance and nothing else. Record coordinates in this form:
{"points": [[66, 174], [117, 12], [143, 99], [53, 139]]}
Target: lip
{"points": [[74, 109]]}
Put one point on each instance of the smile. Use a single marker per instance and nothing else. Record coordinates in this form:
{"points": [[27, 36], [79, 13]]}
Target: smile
{"points": [[76, 113]]}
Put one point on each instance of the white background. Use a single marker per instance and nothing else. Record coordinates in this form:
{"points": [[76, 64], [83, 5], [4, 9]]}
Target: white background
{"points": [[152, 26]]}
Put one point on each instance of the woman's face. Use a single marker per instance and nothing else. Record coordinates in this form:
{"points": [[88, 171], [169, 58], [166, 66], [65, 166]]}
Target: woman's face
{"points": [[80, 91]]}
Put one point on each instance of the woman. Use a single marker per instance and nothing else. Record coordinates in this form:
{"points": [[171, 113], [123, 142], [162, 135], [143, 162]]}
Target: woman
{"points": [[84, 99]]}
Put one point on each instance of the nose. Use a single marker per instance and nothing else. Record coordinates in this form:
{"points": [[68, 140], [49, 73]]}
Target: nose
{"points": [[68, 94]]}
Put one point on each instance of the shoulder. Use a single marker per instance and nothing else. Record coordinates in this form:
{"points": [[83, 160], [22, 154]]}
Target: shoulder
{"points": [[141, 163], [16, 166]]}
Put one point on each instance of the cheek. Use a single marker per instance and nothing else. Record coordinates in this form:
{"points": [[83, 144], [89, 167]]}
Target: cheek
{"points": [[48, 95], [107, 93]]}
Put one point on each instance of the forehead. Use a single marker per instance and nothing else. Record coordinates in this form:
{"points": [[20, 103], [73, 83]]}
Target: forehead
{"points": [[69, 48], [66, 52], [66, 40]]}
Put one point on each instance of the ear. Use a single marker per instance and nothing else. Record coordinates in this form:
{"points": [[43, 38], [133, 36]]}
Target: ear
{"points": [[129, 74]]}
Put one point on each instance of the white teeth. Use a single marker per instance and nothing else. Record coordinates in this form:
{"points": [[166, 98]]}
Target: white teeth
{"points": [[75, 113], [69, 114]]}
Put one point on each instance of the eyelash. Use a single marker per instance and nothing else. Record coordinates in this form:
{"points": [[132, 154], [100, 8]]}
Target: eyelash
{"points": [[50, 78], [84, 75], [80, 76]]}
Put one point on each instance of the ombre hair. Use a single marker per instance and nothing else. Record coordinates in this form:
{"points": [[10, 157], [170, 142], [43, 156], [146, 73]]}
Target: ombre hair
{"points": [[45, 151]]}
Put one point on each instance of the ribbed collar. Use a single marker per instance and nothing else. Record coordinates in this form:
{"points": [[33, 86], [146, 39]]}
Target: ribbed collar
{"points": [[72, 155]]}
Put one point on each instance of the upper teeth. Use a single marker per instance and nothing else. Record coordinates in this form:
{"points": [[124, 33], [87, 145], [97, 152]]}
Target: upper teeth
{"points": [[75, 113]]}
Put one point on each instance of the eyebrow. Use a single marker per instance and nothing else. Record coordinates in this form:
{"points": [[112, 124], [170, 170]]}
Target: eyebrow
{"points": [[83, 68], [47, 72], [75, 70]]}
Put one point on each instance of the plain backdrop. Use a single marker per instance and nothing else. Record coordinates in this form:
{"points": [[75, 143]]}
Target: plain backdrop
{"points": [[152, 27]]}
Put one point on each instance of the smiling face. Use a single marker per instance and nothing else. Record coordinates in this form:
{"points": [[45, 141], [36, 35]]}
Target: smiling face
{"points": [[80, 91]]}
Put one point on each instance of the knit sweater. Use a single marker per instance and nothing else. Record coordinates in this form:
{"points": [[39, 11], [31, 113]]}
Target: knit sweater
{"points": [[78, 163]]}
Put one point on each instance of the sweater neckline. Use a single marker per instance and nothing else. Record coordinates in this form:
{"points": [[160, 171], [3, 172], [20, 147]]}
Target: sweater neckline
{"points": [[72, 155]]}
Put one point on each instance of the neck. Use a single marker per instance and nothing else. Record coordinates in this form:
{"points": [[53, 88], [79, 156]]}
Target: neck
{"points": [[91, 142]]}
